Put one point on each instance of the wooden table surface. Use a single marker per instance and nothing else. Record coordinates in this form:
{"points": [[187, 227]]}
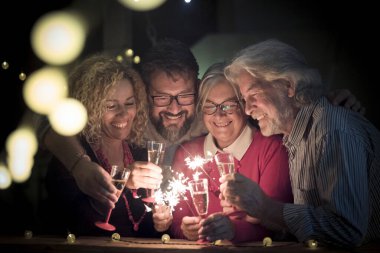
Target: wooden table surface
{"points": [[104, 244]]}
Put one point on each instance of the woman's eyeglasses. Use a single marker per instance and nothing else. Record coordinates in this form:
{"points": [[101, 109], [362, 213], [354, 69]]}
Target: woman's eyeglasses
{"points": [[228, 107]]}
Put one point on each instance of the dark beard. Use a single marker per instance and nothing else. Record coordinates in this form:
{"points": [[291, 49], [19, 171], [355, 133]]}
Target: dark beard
{"points": [[172, 133]]}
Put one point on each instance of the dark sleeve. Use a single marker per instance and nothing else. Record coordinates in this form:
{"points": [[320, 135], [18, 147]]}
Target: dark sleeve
{"points": [[71, 209]]}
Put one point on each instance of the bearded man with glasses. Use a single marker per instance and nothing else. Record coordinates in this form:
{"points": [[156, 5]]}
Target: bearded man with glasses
{"points": [[170, 72]]}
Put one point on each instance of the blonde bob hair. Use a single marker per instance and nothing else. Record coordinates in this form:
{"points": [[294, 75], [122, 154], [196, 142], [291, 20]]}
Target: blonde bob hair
{"points": [[213, 75]]}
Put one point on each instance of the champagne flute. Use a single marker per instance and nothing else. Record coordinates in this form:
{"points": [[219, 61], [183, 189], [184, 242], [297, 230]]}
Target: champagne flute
{"points": [[156, 152], [225, 163], [119, 179], [199, 194]]}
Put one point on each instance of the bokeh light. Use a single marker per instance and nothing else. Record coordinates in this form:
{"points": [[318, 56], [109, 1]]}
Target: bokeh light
{"points": [[5, 65], [22, 76], [5, 177], [21, 146], [129, 52], [136, 59], [58, 37], [22, 141], [20, 167], [44, 89], [142, 5], [119, 58], [69, 117]]}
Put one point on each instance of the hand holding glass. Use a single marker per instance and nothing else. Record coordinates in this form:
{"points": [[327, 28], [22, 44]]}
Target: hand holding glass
{"points": [[119, 179], [156, 152]]}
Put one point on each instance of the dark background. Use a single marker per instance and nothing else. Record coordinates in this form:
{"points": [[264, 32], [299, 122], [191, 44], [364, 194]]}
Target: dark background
{"points": [[338, 37]]}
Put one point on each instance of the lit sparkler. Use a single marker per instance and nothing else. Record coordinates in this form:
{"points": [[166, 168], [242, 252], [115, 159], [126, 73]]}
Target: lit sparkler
{"points": [[176, 190], [195, 164], [174, 193]]}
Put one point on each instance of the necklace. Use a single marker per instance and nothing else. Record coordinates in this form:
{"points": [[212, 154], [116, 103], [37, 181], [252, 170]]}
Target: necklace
{"points": [[130, 216], [128, 159]]}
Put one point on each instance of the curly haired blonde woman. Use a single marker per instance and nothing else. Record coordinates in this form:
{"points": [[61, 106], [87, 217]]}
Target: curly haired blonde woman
{"points": [[115, 98]]}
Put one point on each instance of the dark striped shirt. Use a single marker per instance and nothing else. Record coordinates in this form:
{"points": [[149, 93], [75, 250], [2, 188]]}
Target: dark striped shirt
{"points": [[334, 159]]}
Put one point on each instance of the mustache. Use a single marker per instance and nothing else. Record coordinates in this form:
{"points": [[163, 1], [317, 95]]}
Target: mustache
{"points": [[173, 115]]}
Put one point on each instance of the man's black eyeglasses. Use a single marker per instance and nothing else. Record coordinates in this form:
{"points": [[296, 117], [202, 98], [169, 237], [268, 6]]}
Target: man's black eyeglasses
{"points": [[166, 100]]}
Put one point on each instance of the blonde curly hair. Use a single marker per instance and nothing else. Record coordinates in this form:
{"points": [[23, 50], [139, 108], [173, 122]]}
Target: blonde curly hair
{"points": [[90, 83]]}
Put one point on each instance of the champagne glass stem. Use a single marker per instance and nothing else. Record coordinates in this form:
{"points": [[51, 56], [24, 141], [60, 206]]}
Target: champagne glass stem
{"points": [[108, 215]]}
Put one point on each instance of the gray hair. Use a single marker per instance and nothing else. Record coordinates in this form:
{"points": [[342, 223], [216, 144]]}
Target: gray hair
{"points": [[213, 75], [273, 60]]}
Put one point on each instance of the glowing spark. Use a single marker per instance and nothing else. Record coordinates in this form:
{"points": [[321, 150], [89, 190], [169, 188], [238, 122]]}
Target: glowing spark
{"points": [[175, 192], [147, 208], [197, 163]]}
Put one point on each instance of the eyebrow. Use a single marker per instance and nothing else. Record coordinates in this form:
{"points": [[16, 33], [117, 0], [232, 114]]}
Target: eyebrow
{"points": [[189, 91], [128, 98], [233, 98]]}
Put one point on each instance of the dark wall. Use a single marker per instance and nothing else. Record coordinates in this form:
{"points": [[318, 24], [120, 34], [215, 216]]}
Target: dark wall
{"points": [[335, 36]]}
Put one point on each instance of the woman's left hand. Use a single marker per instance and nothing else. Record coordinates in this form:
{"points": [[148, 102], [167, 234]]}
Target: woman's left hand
{"points": [[162, 217]]}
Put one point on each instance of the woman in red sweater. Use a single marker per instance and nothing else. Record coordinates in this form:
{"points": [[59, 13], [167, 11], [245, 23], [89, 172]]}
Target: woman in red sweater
{"points": [[262, 159]]}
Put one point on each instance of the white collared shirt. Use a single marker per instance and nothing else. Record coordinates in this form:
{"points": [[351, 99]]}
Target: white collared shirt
{"points": [[237, 148]]}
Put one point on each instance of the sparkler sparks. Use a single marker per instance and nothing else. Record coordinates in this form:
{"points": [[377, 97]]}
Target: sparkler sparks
{"points": [[174, 193], [196, 164], [177, 187]]}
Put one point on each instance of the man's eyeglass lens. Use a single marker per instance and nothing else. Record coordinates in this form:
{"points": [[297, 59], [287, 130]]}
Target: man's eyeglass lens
{"points": [[186, 99]]}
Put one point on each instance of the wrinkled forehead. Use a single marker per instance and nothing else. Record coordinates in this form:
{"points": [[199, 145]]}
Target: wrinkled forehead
{"points": [[248, 83]]}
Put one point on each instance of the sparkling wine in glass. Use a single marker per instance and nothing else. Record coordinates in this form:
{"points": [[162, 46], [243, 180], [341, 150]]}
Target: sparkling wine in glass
{"points": [[225, 163], [156, 152], [199, 194], [119, 179]]}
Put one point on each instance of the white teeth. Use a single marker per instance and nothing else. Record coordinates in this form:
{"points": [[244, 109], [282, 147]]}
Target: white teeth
{"points": [[173, 117], [120, 125], [258, 117], [222, 124]]}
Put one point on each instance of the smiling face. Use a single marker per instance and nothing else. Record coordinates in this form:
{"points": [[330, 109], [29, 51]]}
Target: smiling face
{"points": [[224, 127], [174, 120], [120, 111], [269, 104]]}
